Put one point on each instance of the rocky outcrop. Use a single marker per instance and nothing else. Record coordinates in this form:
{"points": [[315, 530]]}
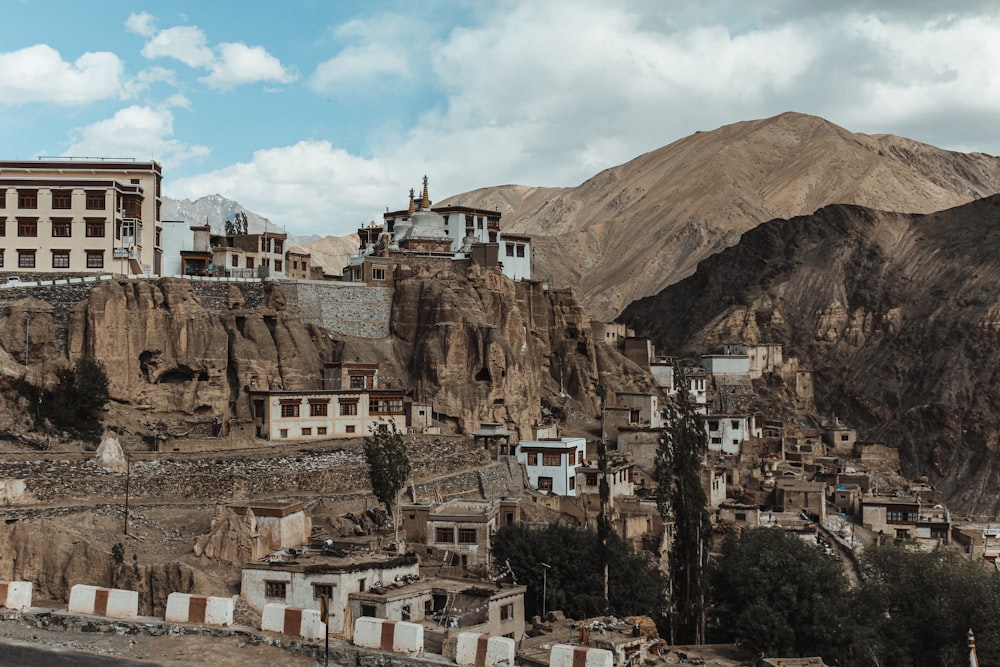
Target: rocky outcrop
{"points": [[486, 348], [897, 315]]}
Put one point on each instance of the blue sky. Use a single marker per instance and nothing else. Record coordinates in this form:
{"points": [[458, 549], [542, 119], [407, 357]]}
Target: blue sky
{"points": [[319, 114]]}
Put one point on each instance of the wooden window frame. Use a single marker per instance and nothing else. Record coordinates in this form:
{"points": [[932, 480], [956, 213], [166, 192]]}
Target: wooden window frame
{"points": [[468, 536], [60, 225], [290, 409], [92, 197], [27, 227], [62, 199], [27, 198], [60, 254], [276, 589], [444, 535], [95, 259]]}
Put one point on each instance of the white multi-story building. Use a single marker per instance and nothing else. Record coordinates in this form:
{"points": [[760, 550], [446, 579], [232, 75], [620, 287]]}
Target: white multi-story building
{"points": [[552, 464], [80, 215], [727, 433]]}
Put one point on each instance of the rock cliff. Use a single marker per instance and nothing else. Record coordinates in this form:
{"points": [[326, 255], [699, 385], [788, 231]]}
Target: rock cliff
{"points": [[898, 314], [481, 347]]}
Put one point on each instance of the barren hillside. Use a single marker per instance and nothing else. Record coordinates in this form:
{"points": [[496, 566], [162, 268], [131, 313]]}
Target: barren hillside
{"points": [[898, 314], [631, 230]]}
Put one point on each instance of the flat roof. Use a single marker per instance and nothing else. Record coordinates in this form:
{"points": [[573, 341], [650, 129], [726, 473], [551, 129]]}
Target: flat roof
{"points": [[316, 562], [472, 587]]}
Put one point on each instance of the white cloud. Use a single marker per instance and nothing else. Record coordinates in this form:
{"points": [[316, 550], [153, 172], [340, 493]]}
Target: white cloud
{"points": [[230, 64], [136, 131], [185, 43], [141, 82], [354, 66], [238, 64], [141, 24], [39, 74], [293, 184], [381, 47]]}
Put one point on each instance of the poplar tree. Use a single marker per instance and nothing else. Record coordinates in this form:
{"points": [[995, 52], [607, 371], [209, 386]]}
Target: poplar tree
{"points": [[679, 496], [388, 465]]}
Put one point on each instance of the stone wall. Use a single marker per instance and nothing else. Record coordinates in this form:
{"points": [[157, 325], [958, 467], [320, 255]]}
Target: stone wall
{"points": [[224, 477], [350, 309]]}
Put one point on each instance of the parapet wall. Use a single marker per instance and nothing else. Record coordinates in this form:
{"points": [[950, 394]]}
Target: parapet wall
{"points": [[349, 309]]}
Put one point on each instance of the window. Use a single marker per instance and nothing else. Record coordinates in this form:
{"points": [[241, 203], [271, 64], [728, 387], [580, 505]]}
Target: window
{"points": [[844, 437], [362, 586], [60, 259], [318, 408], [378, 274], [27, 198], [572, 483], [467, 535], [27, 226], [713, 425], [277, 265], [249, 262], [62, 199], [3, 197], [95, 228], [62, 227], [289, 408], [520, 251], [278, 246], [734, 424], [591, 479], [716, 441], [283, 433], [368, 610], [510, 249], [96, 200], [358, 382], [320, 430], [349, 428], [263, 244], [25, 259], [544, 483], [275, 589], [323, 591], [159, 232], [307, 431], [95, 259], [1, 257], [348, 407], [404, 613], [3, 226], [444, 535], [128, 231], [506, 612], [579, 457], [551, 459], [741, 516]]}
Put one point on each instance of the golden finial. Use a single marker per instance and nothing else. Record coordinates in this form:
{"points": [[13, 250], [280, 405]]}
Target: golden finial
{"points": [[425, 201], [412, 203]]}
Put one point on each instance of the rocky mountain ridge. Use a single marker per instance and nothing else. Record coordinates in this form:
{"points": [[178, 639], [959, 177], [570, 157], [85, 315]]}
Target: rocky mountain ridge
{"points": [[897, 314], [633, 229]]}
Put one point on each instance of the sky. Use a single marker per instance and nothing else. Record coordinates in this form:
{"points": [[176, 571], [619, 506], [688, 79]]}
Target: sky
{"points": [[320, 114]]}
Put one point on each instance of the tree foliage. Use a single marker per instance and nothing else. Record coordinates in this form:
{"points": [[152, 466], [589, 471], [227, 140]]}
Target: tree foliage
{"points": [[388, 462], [574, 582], [75, 404], [237, 227], [774, 593], [916, 606], [680, 496]]}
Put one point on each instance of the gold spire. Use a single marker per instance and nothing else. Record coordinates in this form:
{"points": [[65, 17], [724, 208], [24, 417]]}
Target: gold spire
{"points": [[412, 203], [425, 201]]}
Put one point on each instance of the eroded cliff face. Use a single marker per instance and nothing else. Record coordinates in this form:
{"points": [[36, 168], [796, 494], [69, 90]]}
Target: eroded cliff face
{"points": [[163, 349], [896, 314], [480, 346], [486, 348]]}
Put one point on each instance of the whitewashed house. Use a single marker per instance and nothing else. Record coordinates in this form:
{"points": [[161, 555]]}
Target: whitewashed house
{"points": [[552, 464]]}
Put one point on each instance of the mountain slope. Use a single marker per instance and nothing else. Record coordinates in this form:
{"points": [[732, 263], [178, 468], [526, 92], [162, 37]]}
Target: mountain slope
{"points": [[898, 314], [634, 229]]}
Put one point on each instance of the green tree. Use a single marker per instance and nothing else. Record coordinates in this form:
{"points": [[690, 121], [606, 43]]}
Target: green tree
{"points": [[774, 593], [574, 581], [388, 465], [680, 496], [917, 606]]}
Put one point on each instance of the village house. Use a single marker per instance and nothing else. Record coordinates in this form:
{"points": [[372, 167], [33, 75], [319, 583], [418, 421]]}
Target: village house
{"points": [[906, 518], [278, 526], [643, 408], [297, 265], [727, 433], [620, 478], [795, 495], [552, 464], [302, 582], [839, 438], [978, 540], [445, 607], [740, 514], [609, 333], [713, 482], [458, 531], [762, 357], [718, 364], [325, 413]]}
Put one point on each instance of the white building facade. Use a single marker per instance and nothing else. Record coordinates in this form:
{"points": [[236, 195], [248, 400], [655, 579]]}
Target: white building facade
{"points": [[552, 464]]}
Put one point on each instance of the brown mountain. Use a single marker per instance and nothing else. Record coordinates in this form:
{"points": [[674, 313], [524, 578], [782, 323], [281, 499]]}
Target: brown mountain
{"points": [[898, 315], [631, 230]]}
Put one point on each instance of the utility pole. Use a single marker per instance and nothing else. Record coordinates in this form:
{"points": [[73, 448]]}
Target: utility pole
{"points": [[128, 475], [545, 578], [27, 324]]}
